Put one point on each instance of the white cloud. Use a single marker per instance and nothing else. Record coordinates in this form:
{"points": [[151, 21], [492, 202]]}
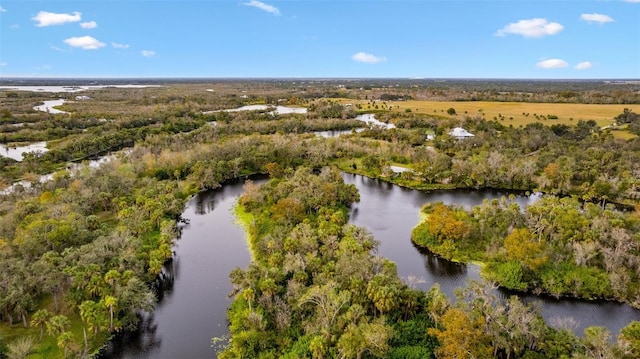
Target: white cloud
{"points": [[88, 25], [148, 53], [84, 42], [56, 48], [262, 6], [632, 1], [367, 58], [119, 46], [2, 9], [3, 64], [599, 18], [583, 65], [552, 64], [537, 27], [45, 18]]}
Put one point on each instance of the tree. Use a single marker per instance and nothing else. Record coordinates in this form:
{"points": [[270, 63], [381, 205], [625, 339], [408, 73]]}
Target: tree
{"points": [[451, 111], [444, 224], [93, 315], [461, 336], [384, 294], [39, 319], [596, 341], [110, 302], [48, 269], [329, 302], [112, 277], [65, 342], [57, 325], [364, 338], [629, 340], [437, 304], [522, 247], [627, 116], [289, 210]]}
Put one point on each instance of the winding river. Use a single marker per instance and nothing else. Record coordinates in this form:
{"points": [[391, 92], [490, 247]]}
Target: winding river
{"points": [[192, 309]]}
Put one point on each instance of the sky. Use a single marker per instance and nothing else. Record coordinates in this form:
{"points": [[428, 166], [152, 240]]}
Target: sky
{"points": [[502, 39]]}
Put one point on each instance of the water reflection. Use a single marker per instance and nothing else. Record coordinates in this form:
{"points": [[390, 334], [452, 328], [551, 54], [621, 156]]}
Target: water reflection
{"points": [[442, 267], [17, 152], [391, 212], [193, 309]]}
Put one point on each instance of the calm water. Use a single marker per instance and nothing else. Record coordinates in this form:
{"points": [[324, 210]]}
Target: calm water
{"points": [[48, 106], [17, 152], [193, 309], [390, 212]]}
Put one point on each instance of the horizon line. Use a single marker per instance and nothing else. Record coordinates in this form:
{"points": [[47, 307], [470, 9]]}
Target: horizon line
{"points": [[62, 77]]}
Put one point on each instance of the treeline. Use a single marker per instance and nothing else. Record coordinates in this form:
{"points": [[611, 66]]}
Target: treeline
{"points": [[581, 160], [540, 91], [79, 138]]}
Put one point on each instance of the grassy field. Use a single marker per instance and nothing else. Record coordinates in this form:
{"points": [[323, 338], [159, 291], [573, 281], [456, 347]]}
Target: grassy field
{"points": [[516, 113]]}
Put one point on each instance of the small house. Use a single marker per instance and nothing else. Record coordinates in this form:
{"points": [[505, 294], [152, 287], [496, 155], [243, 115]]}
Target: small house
{"points": [[460, 133]]}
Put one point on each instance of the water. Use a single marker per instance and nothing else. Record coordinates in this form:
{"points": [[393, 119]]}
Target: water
{"points": [[193, 310], [70, 89], [282, 110], [370, 119], [336, 133], [17, 152], [72, 167], [391, 212], [48, 106]]}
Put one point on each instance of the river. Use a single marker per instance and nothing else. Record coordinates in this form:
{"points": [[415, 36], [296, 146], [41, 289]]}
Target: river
{"points": [[193, 309]]}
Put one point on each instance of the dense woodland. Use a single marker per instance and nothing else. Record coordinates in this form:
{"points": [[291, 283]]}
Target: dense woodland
{"points": [[82, 254]]}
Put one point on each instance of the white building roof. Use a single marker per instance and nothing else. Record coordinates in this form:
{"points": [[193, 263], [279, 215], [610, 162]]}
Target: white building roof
{"points": [[460, 132]]}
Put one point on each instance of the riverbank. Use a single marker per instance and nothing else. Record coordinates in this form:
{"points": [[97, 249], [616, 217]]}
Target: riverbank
{"points": [[355, 166], [560, 276]]}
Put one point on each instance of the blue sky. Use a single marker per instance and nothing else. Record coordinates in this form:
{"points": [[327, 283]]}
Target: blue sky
{"points": [[579, 39]]}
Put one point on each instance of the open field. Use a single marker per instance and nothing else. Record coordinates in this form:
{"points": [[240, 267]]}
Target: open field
{"points": [[515, 113]]}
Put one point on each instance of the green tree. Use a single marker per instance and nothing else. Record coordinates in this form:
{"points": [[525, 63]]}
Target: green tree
{"points": [[365, 338], [57, 325], [93, 315], [384, 294], [110, 302], [65, 342], [629, 340], [39, 319]]}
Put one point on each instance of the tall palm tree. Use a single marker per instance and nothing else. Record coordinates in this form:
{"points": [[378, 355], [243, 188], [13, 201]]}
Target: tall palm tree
{"points": [[110, 302], [65, 340], [39, 319], [57, 325]]}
